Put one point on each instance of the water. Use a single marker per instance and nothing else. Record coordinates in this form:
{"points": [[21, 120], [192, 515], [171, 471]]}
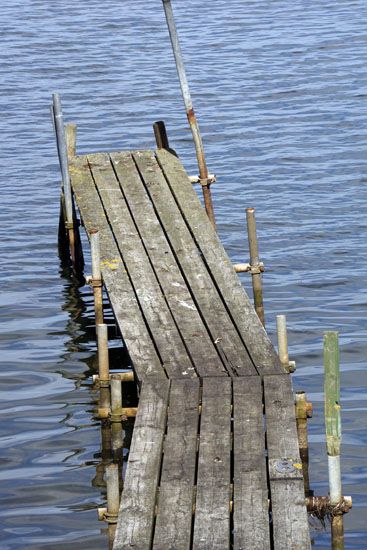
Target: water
{"points": [[280, 90]]}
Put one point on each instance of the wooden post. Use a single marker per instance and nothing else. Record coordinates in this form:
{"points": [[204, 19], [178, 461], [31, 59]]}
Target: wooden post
{"points": [[70, 133], [96, 276], [160, 134], [301, 419], [333, 432], [191, 117], [255, 264]]}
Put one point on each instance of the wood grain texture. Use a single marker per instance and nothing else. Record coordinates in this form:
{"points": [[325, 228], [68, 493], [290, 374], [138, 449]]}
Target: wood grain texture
{"points": [[176, 494], [136, 517], [250, 498], [172, 283], [290, 521], [219, 265], [212, 515], [122, 297], [155, 310], [193, 266]]}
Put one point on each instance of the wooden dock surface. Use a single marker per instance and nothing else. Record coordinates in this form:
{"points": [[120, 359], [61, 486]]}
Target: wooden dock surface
{"points": [[214, 460]]}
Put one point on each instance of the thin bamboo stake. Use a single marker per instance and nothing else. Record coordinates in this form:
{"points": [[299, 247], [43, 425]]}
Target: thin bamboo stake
{"points": [[333, 431], [255, 264], [96, 276], [191, 117]]}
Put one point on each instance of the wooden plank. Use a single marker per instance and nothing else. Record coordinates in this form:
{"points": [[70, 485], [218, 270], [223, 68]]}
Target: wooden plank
{"points": [[250, 491], [220, 267], [212, 516], [126, 309], [176, 494], [136, 517], [193, 267], [290, 522], [161, 324], [188, 320]]}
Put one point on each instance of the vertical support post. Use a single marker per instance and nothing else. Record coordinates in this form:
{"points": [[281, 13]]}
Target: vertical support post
{"points": [[333, 431], [96, 276], [70, 133], [63, 159], [160, 134], [113, 489], [103, 366], [116, 410], [282, 341], [255, 264], [301, 419], [191, 117]]}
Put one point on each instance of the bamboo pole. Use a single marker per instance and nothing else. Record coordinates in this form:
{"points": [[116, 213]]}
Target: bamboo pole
{"points": [[191, 117], [96, 276], [333, 432], [255, 264], [160, 134]]}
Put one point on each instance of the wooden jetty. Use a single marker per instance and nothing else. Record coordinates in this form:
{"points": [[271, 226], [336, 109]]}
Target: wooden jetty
{"points": [[214, 461]]}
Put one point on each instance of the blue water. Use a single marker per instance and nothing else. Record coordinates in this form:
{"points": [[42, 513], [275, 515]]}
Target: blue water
{"points": [[280, 89]]}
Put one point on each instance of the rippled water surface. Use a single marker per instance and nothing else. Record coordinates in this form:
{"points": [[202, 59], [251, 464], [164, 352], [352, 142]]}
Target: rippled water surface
{"points": [[280, 90]]}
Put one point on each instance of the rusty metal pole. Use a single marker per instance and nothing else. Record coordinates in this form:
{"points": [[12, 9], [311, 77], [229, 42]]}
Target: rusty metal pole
{"points": [[333, 432], [191, 117], [255, 264], [302, 413], [96, 276], [63, 159], [103, 368]]}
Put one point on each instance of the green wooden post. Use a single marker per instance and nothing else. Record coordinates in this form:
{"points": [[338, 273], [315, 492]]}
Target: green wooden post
{"points": [[333, 431]]}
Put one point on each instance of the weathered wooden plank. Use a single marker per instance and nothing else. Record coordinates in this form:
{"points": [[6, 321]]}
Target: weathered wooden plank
{"points": [[250, 491], [290, 523], [188, 320], [192, 265], [161, 324], [136, 517], [176, 494], [212, 515], [219, 266], [126, 309]]}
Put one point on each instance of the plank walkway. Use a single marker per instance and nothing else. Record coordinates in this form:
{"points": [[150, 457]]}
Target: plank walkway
{"points": [[214, 460]]}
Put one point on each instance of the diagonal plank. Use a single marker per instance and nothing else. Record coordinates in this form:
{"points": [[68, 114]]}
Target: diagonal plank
{"points": [[212, 515], [147, 289], [192, 329], [176, 494], [219, 266], [193, 267], [126, 309], [136, 517], [250, 498], [290, 522]]}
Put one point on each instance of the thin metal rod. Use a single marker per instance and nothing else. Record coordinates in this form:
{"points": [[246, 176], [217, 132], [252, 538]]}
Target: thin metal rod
{"points": [[96, 275], [191, 117], [333, 431], [113, 490], [255, 264], [63, 156]]}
